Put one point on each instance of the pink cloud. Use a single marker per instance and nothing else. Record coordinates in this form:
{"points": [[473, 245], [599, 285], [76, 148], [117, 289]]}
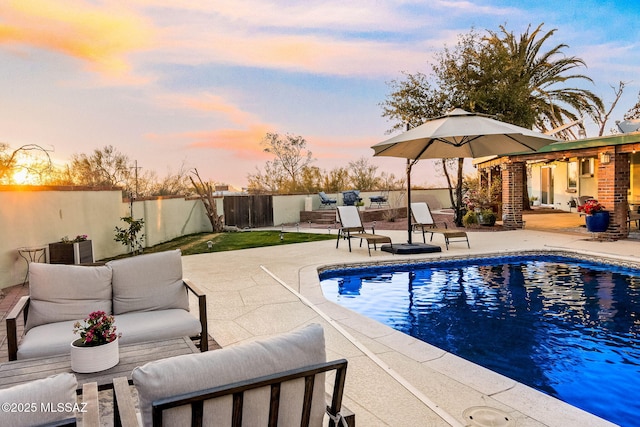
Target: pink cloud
{"points": [[101, 36]]}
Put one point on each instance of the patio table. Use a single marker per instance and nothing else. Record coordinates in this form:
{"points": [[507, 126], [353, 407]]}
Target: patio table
{"points": [[131, 356]]}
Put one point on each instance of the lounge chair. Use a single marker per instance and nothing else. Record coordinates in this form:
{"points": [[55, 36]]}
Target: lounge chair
{"points": [[380, 200], [351, 197], [326, 201], [351, 227], [274, 381], [422, 219]]}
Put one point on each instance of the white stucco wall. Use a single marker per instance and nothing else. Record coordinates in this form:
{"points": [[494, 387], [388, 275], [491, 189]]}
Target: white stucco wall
{"points": [[32, 217]]}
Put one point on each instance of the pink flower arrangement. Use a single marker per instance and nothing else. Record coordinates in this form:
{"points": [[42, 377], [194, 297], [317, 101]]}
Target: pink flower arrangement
{"points": [[592, 206], [98, 329]]}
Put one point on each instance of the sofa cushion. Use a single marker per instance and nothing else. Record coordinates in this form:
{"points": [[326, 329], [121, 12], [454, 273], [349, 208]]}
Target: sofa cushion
{"points": [[55, 338], [67, 292], [47, 340], [148, 282], [55, 390], [195, 372], [156, 325]]}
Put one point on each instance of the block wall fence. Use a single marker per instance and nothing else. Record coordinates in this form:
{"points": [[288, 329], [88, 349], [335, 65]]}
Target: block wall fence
{"points": [[36, 216]]}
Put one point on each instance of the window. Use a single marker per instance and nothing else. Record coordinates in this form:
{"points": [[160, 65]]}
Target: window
{"points": [[572, 175], [586, 167]]}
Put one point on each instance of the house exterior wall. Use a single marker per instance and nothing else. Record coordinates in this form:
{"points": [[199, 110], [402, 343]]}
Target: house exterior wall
{"points": [[587, 185]]}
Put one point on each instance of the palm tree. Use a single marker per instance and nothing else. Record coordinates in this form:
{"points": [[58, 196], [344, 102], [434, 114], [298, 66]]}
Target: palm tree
{"points": [[544, 75]]}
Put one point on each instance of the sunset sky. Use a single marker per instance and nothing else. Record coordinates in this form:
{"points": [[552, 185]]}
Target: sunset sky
{"points": [[200, 82]]}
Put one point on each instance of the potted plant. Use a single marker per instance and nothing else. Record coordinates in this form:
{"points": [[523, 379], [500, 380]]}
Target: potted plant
{"points": [[97, 347], [597, 218], [487, 217], [78, 250]]}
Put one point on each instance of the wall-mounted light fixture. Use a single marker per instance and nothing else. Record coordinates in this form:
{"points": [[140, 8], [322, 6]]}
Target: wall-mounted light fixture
{"points": [[605, 158]]}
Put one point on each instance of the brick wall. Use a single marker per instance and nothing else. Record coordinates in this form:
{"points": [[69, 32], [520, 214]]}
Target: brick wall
{"points": [[613, 183], [512, 195]]}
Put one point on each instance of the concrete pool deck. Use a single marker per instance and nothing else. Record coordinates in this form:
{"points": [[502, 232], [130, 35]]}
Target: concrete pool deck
{"points": [[393, 379]]}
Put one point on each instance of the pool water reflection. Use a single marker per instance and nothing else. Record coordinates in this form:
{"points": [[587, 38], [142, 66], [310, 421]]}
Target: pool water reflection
{"points": [[565, 327]]}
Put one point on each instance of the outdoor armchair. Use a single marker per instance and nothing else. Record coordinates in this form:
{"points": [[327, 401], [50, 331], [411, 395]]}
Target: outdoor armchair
{"points": [[50, 401], [423, 219], [325, 200], [351, 227], [351, 197], [274, 381]]}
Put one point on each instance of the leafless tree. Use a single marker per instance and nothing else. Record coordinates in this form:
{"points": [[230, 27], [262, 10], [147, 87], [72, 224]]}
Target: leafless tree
{"points": [[205, 191]]}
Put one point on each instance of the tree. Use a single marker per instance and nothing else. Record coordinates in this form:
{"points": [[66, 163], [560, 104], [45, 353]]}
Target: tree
{"points": [[205, 191], [106, 167], [509, 77], [23, 160], [335, 180], [283, 172], [362, 174], [600, 116], [634, 112]]}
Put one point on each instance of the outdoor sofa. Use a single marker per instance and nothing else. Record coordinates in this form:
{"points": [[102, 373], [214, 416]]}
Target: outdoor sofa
{"points": [[147, 295]]}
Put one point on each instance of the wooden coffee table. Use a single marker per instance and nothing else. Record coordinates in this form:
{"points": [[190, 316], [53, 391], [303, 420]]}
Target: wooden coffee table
{"points": [[131, 356]]}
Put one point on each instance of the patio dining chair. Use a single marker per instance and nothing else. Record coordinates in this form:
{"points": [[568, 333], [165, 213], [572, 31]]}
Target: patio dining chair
{"points": [[380, 200], [423, 219], [351, 227], [273, 381]]}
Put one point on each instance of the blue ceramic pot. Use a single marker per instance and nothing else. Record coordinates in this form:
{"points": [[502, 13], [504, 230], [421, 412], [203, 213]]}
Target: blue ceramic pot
{"points": [[598, 222]]}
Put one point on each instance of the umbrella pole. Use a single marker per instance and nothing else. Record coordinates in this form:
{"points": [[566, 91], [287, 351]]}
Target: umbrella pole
{"points": [[409, 166]]}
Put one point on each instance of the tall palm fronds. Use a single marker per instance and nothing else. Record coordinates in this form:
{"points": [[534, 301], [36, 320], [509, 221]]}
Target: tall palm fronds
{"points": [[545, 75]]}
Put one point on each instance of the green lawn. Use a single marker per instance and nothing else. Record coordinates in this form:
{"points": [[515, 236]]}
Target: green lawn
{"points": [[197, 243]]}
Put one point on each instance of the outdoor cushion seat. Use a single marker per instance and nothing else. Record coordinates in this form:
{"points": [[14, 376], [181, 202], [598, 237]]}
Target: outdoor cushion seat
{"points": [[146, 294], [57, 392], [199, 377]]}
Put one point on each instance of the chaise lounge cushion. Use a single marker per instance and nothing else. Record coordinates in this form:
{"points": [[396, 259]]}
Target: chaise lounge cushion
{"points": [[148, 282], [67, 292], [195, 372], [57, 391]]}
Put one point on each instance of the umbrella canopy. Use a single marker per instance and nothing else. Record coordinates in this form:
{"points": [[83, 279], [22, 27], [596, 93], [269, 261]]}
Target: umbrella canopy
{"points": [[460, 133]]}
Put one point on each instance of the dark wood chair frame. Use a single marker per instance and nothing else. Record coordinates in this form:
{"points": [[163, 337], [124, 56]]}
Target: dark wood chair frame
{"points": [[23, 307], [124, 410]]}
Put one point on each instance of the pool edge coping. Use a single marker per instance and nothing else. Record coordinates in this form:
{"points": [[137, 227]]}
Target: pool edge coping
{"points": [[517, 397]]}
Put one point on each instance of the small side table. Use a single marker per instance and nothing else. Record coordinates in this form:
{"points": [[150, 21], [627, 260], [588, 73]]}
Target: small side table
{"points": [[32, 254]]}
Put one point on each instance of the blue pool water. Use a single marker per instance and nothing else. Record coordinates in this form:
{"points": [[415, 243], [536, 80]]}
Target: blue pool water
{"points": [[566, 327]]}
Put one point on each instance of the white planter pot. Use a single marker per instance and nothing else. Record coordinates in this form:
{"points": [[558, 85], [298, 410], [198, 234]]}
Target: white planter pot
{"points": [[85, 360]]}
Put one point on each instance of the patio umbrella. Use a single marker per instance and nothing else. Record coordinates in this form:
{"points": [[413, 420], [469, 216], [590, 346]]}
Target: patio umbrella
{"points": [[459, 133]]}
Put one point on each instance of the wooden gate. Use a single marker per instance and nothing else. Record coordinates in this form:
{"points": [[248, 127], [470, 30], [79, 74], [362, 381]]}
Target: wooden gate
{"points": [[248, 211]]}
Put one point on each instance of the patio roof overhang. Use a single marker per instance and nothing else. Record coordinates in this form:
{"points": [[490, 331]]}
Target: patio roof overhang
{"points": [[624, 143]]}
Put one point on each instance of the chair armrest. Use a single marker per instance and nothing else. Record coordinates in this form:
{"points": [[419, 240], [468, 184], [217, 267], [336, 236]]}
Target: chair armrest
{"points": [[202, 308], [12, 328], [124, 409], [91, 415]]}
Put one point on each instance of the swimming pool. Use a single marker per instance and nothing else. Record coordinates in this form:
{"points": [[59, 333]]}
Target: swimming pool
{"points": [[568, 327]]}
